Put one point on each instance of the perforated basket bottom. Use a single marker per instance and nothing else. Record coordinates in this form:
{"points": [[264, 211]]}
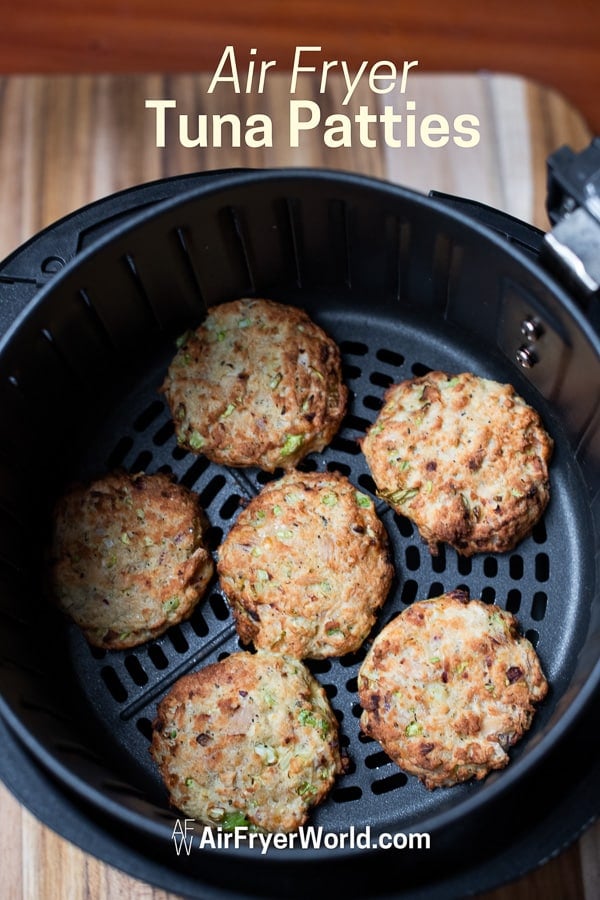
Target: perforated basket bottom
{"points": [[539, 581]]}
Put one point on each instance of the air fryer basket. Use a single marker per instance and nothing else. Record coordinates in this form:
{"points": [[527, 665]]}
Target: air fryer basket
{"points": [[404, 283]]}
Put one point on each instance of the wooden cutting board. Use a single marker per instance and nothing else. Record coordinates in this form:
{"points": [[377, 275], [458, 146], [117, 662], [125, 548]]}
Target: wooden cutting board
{"points": [[65, 141]]}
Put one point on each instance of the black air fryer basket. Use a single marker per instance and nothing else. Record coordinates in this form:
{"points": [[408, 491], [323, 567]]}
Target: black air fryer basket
{"points": [[404, 283]]}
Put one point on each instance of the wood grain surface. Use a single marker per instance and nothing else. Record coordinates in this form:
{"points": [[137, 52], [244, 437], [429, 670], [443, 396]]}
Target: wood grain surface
{"points": [[67, 140]]}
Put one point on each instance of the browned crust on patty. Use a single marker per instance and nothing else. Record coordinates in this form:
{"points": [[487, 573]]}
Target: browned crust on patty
{"points": [[127, 557], [465, 458], [257, 384], [248, 740], [306, 566], [448, 687]]}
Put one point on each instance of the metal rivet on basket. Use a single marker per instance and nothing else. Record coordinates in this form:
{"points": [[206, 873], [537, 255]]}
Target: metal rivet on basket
{"points": [[531, 329], [526, 357]]}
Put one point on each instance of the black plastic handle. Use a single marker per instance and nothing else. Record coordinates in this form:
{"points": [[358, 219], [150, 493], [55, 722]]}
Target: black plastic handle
{"points": [[572, 247]]}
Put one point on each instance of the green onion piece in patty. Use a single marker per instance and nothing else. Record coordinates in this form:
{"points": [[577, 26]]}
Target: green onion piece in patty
{"points": [[236, 819], [401, 496], [196, 441], [291, 444]]}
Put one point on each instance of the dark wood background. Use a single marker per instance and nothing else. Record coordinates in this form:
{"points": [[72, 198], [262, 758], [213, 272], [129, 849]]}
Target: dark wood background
{"points": [[556, 42]]}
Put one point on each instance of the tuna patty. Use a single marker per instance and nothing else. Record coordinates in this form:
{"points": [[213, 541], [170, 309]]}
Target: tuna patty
{"points": [[448, 686], [127, 557], [465, 458], [306, 566], [250, 740], [257, 384]]}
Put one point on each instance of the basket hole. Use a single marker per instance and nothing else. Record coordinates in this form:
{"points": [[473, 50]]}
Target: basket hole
{"points": [[343, 445], [331, 690], [147, 417], [490, 567], [381, 379], [420, 369], [265, 477], [356, 423], [352, 684], [119, 452], [112, 681], [134, 667], [354, 658], [357, 710], [194, 472], [354, 348], [405, 526], [219, 607], [438, 563], [319, 666], [213, 537], [157, 657], [230, 506], [346, 794], [513, 601], [366, 482], [390, 357], [376, 760], [211, 490], [142, 461], [538, 607], [539, 533], [178, 640], [198, 623], [532, 636], [464, 564], [372, 402], [342, 468], [542, 567], [515, 567], [365, 738], [436, 590], [307, 465], [413, 558], [391, 783], [488, 595], [178, 452], [350, 372], [144, 726], [164, 433], [409, 591]]}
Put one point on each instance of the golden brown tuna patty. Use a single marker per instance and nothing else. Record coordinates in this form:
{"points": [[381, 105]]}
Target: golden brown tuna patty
{"points": [[248, 740], [465, 458], [257, 384], [127, 557], [448, 686], [306, 566]]}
